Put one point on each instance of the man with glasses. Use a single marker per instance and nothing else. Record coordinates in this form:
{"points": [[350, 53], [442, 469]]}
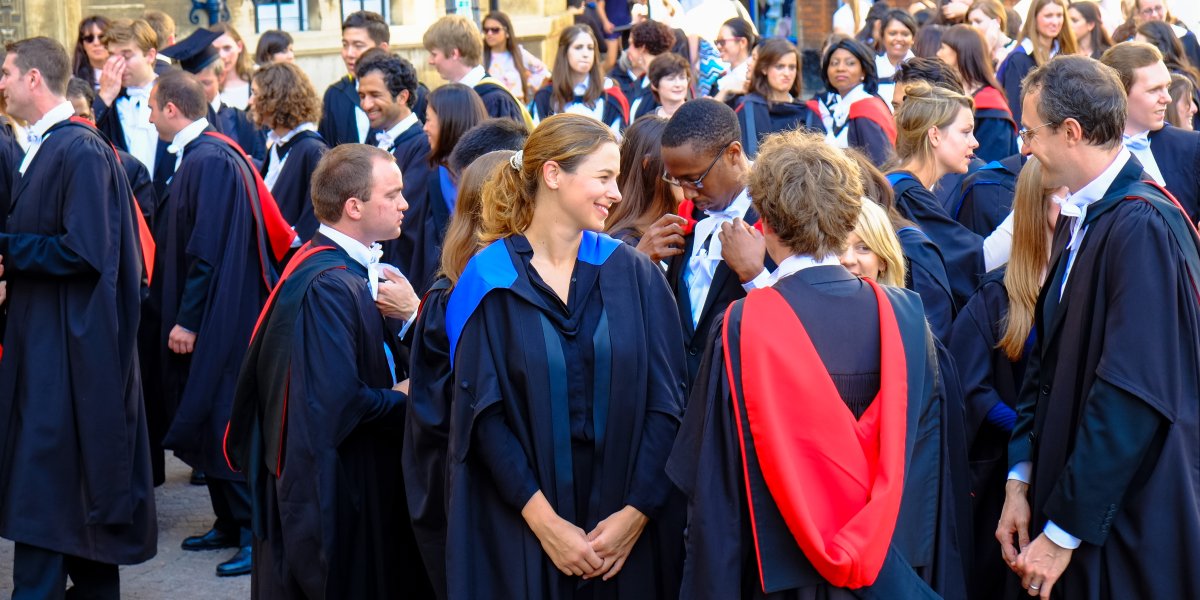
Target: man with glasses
{"points": [[723, 257], [1157, 10], [1103, 455]]}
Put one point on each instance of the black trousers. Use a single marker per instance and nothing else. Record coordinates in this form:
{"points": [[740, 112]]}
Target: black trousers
{"points": [[41, 574], [231, 505]]}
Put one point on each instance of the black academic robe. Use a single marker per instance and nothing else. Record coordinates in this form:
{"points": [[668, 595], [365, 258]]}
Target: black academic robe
{"points": [[869, 126], [1011, 72], [626, 81], [427, 431], [995, 129], [987, 195], [11, 156], [949, 189], [411, 150], [961, 248], [338, 122], [730, 557], [1177, 154], [214, 280], [579, 400], [236, 124], [74, 465], [926, 275], [1107, 411], [292, 190], [613, 111], [759, 118], [644, 105], [317, 428], [988, 378], [499, 102], [108, 121], [424, 231]]}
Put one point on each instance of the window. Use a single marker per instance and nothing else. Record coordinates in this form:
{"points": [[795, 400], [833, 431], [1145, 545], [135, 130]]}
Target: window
{"points": [[376, 6], [285, 15]]}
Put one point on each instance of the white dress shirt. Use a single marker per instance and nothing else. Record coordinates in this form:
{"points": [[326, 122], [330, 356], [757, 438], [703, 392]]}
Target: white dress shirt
{"points": [[186, 136], [369, 258], [37, 131], [798, 262], [273, 142], [473, 77], [706, 254], [834, 117], [1074, 206], [1139, 145], [361, 121], [140, 135], [387, 139]]}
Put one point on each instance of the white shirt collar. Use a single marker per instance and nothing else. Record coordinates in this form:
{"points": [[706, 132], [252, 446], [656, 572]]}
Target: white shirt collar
{"points": [[402, 126], [361, 254], [133, 90], [187, 135], [216, 104], [54, 116], [798, 262], [275, 140], [1076, 205], [736, 209], [473, 77]]}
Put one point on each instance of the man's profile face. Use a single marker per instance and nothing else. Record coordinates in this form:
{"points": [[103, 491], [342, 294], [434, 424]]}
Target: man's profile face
{"points": [[1149, 96], [383, 212], [722, 183], [355, 41]]}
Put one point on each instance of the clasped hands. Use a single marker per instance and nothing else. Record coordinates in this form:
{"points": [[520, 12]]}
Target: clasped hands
{"points": [[600, 553], [1040, 563]]}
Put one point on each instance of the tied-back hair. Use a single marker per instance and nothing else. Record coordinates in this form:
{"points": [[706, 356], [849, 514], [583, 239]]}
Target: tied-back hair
{"points": [[865, 57], [509, 199], [994, 9], [875, 230], [245, 61], [270, 43], [1163, 37], [643, 190], [974, 59], [1026, 269], [563, 91], [458, 109], [1065, 39], [510, 44], [285, 97], [925, 107], [770, 52], [462, 235]]}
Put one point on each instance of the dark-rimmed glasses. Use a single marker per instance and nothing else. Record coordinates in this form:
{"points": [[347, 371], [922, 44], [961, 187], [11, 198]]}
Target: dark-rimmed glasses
{"points": [[1027, 134], [698, 184]]}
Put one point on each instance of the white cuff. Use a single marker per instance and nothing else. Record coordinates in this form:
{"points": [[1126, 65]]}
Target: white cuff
{"points": [[1060, 537], [1021, 471], [761, 280], [409, 322]]}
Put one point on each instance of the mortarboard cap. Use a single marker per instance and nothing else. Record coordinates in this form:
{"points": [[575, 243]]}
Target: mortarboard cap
{"points": [[195, 52]]}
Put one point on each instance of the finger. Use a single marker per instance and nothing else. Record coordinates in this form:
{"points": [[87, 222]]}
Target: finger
{"points": [[1009, 552], [672, 229], [593, 560], [1023, 535], [1047, 585], [676, 240], [616, 568]]}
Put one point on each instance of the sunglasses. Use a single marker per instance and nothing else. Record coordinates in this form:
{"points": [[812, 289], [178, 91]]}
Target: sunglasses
{"points": [[493, 29], [719, 42], [91, 37]]}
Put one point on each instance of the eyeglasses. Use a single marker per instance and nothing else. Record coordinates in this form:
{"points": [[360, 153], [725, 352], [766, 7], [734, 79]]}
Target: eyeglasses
{"points": [[1151, 11], [720, 42], [91, 37], [1027, 134], [698, 184], [493, 29]]}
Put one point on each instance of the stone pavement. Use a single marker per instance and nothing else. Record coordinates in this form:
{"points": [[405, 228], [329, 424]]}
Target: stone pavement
{"points": [[183, 510]]}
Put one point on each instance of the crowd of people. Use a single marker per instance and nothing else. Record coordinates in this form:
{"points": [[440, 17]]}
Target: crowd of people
{"points": [[647, 321]]}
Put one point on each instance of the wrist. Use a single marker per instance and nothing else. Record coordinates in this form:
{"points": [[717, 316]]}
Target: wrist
{"points": [[1016, 487]]}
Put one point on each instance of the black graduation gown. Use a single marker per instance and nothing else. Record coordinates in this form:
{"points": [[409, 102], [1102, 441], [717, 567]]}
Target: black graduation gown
{"points": [[74, 465], [424, 229], [1015, 67], [108, 121], [759, 118], [625, 81], [1107, 412], [499, 102], [865, 126], [543, 400], [11, 156], [236, 124], [141, 184], [338, 123], [988, 378], [995, 129], [213, 281], [1177, 154], [987, 195], [961, 248], [411, 150], [708, 464], [949, 189], [644, 105], [612, 114], [292, 191], [926, 275], [427, 431], [329, 513]]}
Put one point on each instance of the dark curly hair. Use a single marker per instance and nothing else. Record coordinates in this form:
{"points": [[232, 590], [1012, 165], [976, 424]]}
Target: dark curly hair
{"points": [[706, 124], [398, 74], [656, 37], [284, 97]]}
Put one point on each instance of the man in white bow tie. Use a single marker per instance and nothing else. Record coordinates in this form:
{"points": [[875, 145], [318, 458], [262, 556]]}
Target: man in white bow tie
{"points": [[317, 416], [125, 84], [1170, 155], [723, 257]]}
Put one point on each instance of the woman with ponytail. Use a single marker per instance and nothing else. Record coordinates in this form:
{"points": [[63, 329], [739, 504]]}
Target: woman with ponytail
{"points": [[568, 387]]}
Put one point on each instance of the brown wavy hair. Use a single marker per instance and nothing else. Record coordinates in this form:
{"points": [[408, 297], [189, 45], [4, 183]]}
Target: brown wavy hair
{"points": [[508, 202], [462, 235], [1027, 264], [284, 97]]}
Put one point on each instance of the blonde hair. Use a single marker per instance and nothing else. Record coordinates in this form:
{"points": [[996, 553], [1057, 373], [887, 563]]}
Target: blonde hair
{"points": [[1027, 264], [456, 32], [462, 236], [508, 203], [875, 230], [925, 107], [994, 10], [807, 191], [1066, 38], [138, 31]]}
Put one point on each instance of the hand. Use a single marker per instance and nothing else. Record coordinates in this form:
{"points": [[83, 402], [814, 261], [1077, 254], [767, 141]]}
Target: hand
{"points": [[743, 248], [181, 341], [1041, 564], [613, 539], [608, 26], [401, 387], [396, 299], [110, 79], [1014, 520], [664, 238], [562, 541], [954, 9], [3, 292]]}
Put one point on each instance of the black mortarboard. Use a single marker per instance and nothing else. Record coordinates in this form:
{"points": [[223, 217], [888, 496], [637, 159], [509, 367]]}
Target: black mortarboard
{"points": [[195, 52]]}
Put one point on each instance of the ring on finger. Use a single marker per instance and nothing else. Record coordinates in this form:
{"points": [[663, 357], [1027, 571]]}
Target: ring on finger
{"points": [[1034, 587]]}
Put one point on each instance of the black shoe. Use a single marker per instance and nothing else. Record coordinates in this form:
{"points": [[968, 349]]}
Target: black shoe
{"points": [[240, 564], [197, 477], [213, 540]]}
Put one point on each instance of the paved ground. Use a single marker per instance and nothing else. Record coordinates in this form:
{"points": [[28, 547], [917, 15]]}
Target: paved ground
{"points": [[183, 510]]}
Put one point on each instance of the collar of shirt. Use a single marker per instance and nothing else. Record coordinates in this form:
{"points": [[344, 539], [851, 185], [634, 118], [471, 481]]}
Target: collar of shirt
{"points": [[398, 129], [581, 88], [473, 77], [274, 140], [186, 136], [367, 257], [1076, 205], [216, 104], [54, 116], [798, 262], [1137, 141], [136, 93], [707, 227]]}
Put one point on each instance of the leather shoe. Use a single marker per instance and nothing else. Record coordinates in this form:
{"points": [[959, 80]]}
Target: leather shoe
{"points": [[212, 540], [197, 478], [240, 564]]}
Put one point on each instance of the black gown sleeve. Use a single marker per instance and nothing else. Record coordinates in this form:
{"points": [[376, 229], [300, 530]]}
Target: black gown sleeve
{"points": [[869, 137], [971, 344], [42, 254], [505, 458], [1012, 71], [195, 295]]}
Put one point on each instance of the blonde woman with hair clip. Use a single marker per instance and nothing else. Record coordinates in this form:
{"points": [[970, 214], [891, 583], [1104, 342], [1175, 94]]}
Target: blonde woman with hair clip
{"points": [[990, 342], [873, 250]]}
